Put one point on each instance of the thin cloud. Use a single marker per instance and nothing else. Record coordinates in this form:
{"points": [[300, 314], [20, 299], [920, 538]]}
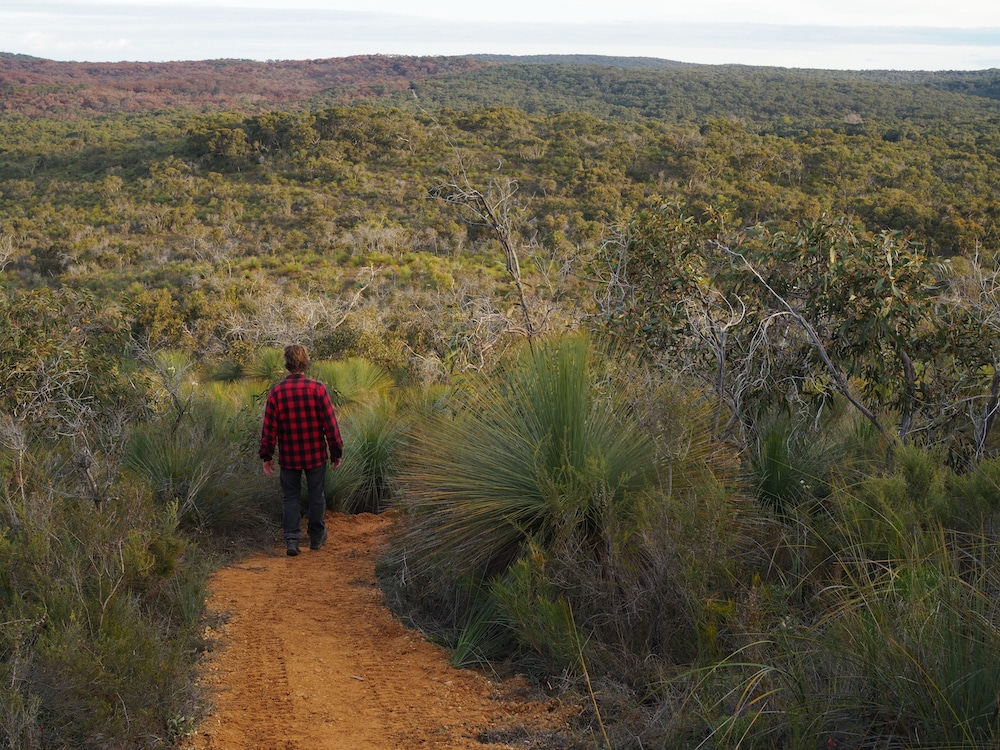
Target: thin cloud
{"points": [[154, 31]]}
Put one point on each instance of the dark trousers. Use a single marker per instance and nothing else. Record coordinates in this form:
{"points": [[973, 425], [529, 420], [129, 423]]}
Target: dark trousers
{"points": [[291, 493]]}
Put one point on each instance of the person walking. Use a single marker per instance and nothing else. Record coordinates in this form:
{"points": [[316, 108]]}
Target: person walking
{"points": [[299, 419]]}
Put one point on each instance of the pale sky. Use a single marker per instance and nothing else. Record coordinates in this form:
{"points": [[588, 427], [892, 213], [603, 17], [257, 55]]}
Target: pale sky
{"points": [[841, 34]]}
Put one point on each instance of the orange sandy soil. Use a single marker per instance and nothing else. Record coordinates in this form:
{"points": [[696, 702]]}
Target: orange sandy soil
{"points": [[307, 657]]}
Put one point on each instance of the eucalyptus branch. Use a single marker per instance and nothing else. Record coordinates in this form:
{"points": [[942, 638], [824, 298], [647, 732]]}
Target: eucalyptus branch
{"points": [[838, 377], [712, 324], [984, 425]]}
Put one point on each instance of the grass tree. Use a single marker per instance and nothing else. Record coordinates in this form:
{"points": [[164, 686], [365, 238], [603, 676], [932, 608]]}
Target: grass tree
{"points": [[373, 438], [541, 450], [269, 365], [542, 458], [353, 381], [202, 454], [541, 498]]}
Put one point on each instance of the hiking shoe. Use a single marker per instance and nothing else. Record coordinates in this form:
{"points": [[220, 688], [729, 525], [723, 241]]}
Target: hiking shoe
{"points": [[292, 548], [318, 543]]}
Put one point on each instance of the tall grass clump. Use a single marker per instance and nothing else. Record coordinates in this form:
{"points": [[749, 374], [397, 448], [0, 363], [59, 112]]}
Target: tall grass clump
{"points": [[542, 484], [792, 462], [268, 365], [915, 632], [203, 457], [533, 454], [919, 554], [885, 638], [373, 438], [483, 632], [353, 381]]}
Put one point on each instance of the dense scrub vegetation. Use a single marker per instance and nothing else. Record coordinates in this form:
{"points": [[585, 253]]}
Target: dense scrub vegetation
{"points": [[37, 87], [682, 379]]}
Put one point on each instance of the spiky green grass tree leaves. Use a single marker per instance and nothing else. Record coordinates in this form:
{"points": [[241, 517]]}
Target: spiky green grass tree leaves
{"points": [[545, 448], [353, 381], [203, 457], [268, 365], [366, 480]]}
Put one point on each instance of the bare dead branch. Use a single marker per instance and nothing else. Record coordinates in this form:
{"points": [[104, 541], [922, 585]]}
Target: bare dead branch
{"points": [[492, 210]]}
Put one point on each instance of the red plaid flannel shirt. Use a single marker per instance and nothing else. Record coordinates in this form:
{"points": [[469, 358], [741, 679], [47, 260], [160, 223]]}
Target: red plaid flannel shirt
{"points": [[299, 418]]}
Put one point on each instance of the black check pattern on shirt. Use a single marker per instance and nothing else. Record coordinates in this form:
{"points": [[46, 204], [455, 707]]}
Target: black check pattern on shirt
{"points": [[299, 418]]}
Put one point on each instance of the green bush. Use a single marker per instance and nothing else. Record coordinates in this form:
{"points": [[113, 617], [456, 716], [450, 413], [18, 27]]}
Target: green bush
{"points": [[202, 455], [541, 619], [973, 496], [888, 513], [96, 649]]}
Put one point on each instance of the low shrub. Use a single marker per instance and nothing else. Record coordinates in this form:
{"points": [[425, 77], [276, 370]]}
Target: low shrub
{"points": [[101, 611]]}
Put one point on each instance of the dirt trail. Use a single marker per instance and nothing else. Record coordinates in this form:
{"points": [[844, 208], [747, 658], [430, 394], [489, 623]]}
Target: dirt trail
{"points": [[309, 658]]}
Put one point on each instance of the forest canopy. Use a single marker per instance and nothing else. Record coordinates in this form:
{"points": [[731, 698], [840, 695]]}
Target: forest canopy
{"points": [[746, 317]]}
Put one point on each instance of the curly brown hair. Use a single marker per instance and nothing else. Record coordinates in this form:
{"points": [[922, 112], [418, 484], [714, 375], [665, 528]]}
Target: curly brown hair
{"points": [[296, 358]]}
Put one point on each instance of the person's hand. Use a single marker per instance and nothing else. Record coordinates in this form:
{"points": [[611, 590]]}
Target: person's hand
{"points": [[336, 463], [269, 468]]}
